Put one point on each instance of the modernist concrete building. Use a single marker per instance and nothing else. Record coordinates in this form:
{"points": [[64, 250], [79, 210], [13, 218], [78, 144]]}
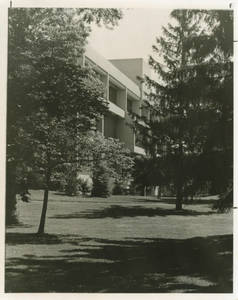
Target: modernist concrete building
{"points": [[124, 93]]}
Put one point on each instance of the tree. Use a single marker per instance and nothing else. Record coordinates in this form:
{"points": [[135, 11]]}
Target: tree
{"points": [[215, 47], [102, 159], [51, 99], [219, 146], [183, 102], [54, 137], [171, 102], [109, 159]]}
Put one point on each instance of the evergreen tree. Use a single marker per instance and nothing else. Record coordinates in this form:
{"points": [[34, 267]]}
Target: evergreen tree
{"points": [[184, 101], [172, 102], [217, 159]]}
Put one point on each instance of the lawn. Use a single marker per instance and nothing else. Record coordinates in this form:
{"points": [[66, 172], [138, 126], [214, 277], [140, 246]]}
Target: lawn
{"points": [[120, 244]]}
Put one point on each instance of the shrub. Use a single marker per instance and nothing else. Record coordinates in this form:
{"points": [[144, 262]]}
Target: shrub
{"points": [[100, 181], [121, 188], [84, 185], [72, 184]]}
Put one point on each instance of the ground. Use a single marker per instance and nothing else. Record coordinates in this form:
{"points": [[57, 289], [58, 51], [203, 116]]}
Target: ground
{"points": [[120, 244]]}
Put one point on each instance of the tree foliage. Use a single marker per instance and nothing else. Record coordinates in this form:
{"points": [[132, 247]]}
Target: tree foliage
{"points": [[108, 159], [52, 100], [191, 102], [104, 159]]}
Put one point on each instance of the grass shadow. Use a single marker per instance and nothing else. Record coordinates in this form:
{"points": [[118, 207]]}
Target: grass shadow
{"points": [[117, 211], [196, 265], [15, 238], [19, 225], [189, 202]]}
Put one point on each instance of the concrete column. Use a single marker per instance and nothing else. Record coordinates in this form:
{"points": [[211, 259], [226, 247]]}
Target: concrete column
{"points": [[103, 125], [107, 86]]}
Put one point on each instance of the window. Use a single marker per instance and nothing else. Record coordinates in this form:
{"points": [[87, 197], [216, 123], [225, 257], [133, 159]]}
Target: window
{"points": [[113, 94], [129, 105]]}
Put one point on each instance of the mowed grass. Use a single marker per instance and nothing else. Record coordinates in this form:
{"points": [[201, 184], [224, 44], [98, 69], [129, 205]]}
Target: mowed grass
{"points": [[119, 244]]}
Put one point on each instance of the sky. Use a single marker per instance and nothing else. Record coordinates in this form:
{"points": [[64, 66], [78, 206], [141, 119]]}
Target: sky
{"points": [[133, 37]]}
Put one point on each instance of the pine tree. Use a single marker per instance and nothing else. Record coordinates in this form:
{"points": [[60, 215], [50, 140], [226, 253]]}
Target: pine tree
{"points": [[171, 101], [183, 101], [217, 158]]}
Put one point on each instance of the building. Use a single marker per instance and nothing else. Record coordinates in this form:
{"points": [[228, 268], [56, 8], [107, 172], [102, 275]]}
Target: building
{"points": [[124, 93]]}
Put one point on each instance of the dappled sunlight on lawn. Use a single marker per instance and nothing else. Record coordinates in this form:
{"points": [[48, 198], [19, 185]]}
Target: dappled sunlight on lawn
{"points": [[148, 265], [125, 246]]}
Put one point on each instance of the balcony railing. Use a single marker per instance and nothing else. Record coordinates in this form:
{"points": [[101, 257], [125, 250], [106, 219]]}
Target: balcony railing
{"points": [[116, 110]]}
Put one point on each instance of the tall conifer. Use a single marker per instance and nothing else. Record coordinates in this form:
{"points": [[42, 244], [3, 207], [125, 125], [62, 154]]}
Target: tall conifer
{"points": [[192, 70]]}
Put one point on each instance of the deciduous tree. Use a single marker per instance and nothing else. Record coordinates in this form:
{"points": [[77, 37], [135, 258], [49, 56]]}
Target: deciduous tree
{"points": [[52, 100]]}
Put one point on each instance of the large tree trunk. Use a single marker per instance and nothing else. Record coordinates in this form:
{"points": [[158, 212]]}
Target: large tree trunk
{"points": [[179, 179], [11, 217], [41, 228]]}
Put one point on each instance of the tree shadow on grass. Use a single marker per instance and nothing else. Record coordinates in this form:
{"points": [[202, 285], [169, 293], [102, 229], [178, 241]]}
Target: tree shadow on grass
{"points": [[13, 238], [117, 211], [197, 265], [17, 238], [173, 201], [19, 224]]}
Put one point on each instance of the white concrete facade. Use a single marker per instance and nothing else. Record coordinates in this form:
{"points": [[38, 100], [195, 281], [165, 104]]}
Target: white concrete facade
{"points": [[124, 93]]}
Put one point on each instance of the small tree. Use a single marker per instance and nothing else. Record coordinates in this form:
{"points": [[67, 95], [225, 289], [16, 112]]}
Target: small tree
{"points": [[53, 136]]}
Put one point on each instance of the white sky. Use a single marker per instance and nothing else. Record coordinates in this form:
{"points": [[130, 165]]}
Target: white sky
{"points": [[134, 35]]}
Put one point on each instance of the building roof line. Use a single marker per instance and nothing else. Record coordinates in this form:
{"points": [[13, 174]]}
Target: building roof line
{"points": [[113, 71]]}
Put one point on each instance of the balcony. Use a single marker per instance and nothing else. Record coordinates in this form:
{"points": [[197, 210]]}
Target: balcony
{"points": [[108, 67], [117, 99], [113, 108]]}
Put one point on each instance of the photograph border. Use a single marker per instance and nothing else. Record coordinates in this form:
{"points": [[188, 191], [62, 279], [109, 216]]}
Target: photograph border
{"points": [[4, 5]]}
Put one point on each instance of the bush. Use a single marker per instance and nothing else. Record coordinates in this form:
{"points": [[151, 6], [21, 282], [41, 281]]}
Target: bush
{"points": [[84, 186], [121, 188], [100, 181], [71, 182], [118, 189], [72, 186]]}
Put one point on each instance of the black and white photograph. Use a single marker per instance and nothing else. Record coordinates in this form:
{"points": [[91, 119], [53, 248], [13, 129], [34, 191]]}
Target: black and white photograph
{"points": [[119, 150]]}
